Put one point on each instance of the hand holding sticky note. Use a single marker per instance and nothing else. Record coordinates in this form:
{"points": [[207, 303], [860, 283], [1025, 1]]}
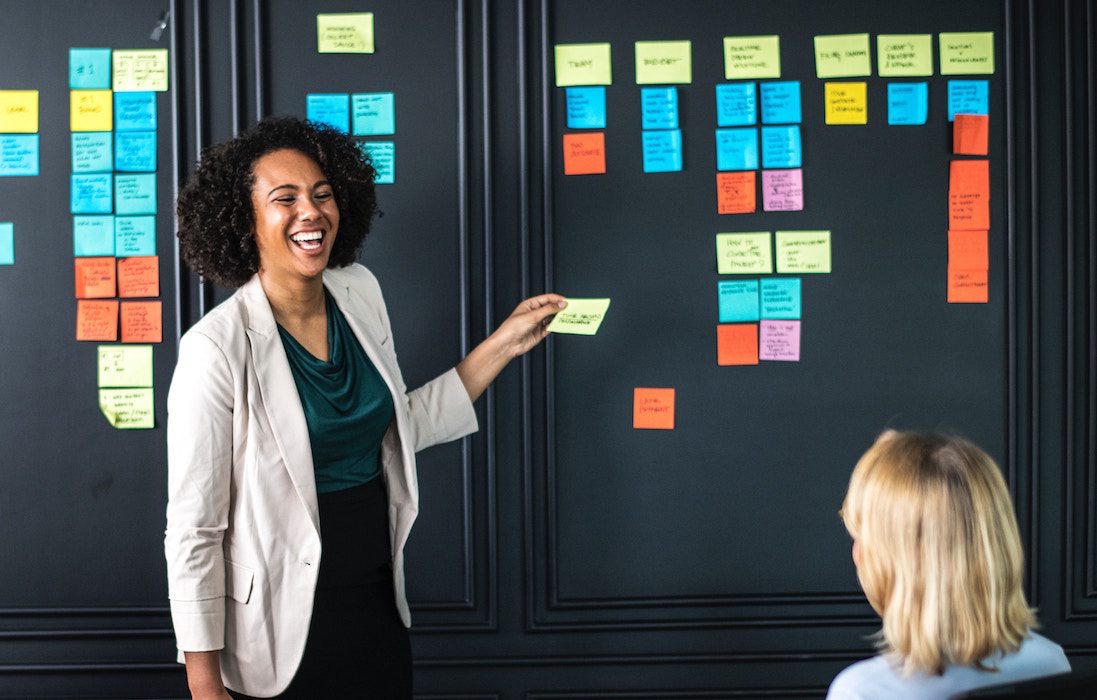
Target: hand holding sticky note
{"points": [[581, 317]]}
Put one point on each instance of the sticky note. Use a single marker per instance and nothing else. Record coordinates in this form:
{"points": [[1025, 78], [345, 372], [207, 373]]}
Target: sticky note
{"points": [[748, 57], [970, 133], [128, 409], [7, 243], [97, 320], [347, 32], [89, 69], [968, 250], [142, 322], [662, 151], [969, 176], [382, 155], [908, 103], [581, 317], [586, 107], [330, 109], [373, 113], [585, 153], [135, 151], [904, 55], [744, 253], [134, 236], [737, 149], [967, 53], [781, 102], [92, 152], [780, 298], [968, 97], [664, 62], [738, 300], [652, 409], [95, 278], [782, 190], [135, 194], [125, 366], [91, 193], [803, 252], [968, 210], [18, 155], [659, 108], [18, 111], [845, 103], [781, 147], [92, 236], [135, 111], [968, 286], [736, 104], [842, 56], [140, 70], [779, 340], [735, 192], [737, 344], [91, 110], [139, 277], [582, 64]]}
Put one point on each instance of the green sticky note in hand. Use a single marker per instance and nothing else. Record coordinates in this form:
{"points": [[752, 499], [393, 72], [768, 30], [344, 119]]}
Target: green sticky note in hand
{"points": [[581, 317]]}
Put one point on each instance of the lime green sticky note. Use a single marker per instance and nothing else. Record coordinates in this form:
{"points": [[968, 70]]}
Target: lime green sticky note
{"points": [[126, 409], [581, 317], [583, 64], [904, 55], [744, 253], [842, 56], [664, 62], [803, 251], [967, 53], [345, 32], [749, 57], [138, 70], [125, 366]]}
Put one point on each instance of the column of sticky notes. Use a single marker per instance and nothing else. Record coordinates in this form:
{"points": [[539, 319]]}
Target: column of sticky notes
{"points": [[969, 194], [584, 70], [663, 65], [18, 151]]}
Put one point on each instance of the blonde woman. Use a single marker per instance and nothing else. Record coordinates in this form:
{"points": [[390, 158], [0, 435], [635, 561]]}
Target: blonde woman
{"points": [[938, 555]]}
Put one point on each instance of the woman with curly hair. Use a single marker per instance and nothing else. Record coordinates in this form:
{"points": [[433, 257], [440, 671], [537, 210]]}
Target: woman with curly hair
{"points": [[291, 435]]}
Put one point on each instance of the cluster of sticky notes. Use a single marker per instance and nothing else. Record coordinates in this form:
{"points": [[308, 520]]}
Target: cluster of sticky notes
{"points": [[584, 70], [652, 408], [361, 114], [661, 137], [125, 385], [795, 252], [580, 317], [345, 32], [18, 133], [969, 231]]}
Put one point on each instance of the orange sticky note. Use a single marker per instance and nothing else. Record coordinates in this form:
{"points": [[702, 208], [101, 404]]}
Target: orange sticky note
{"points": [[653, 408], [142, 322], [969, 176], [969, 134], [737, 344], [968, 250], [97, 320], [968, 211], [585, 153], [94, 278], [139, 277], [735, 192], [967, 286]]}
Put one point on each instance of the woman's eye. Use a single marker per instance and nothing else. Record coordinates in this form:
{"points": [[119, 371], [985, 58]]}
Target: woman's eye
{"points": [[323, 195], [284, 200]]}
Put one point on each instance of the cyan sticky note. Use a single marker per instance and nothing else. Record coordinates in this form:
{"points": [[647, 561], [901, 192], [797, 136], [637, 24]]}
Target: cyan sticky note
{"points": [[781, 147], [18, 155], [374, 113], [968, 97], [135, 151], [781, 102], [134, 236], [659, 108], [330, 109], [781, 298], [586, 107], [7, 243], [135, 194], [383, 156], [92, 236], [92, 193], [908, 103], [737, 149], [135, 111], [736, 104], [662, 151], [92, 152], [738, 300], [89, 69]]}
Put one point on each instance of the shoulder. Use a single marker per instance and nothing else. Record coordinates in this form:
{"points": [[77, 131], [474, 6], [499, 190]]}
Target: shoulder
{"points": [[871, 678], [355, 276], [222, 324], [1040, 653]]}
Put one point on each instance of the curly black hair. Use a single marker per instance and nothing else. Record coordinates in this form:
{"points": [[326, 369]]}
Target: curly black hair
{"points": [[216, 218]]}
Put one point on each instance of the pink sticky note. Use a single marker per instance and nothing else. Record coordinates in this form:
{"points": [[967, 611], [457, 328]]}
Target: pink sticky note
{"points": [[779, 340], [782, 190]]}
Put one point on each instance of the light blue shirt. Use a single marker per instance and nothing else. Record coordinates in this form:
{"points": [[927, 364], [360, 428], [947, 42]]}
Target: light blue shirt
{"points": [[877, 678]]}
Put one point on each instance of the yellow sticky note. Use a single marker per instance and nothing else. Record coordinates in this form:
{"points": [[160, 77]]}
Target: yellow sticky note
{"points": [[140, 70], [748, 57], [349, 32], [967, 53], [842, 56], [904, 55], [128, 408], [581, 317], [664, 62], [744, 253], [91, 110], [845, 103], [125, 366], [583, 64], [803, 252], [18, 111]]}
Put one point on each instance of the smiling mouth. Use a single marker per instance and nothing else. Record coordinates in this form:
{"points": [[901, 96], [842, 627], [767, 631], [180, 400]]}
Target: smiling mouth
{"points": [[308, 240]]}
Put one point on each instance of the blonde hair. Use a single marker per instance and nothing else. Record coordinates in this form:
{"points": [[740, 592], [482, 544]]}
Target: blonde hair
{"points": [[939, 553]]}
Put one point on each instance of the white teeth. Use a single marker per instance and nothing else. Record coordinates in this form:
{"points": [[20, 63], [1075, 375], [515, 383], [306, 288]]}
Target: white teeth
{"points": [[306, 236]]}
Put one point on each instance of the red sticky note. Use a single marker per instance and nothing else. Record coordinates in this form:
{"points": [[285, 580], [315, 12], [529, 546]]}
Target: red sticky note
{"points": [[969, 134], [653, 409], [968, 250], [139, 277], [969, 176], [585, 153], [968, 211], [142, 322], [735, 192], [97, 320], [967, 286], [737, 344], [94, 278]]}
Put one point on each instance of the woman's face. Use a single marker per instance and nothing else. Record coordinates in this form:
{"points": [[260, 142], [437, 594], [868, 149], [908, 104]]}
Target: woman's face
{"points": [[296, 217]]}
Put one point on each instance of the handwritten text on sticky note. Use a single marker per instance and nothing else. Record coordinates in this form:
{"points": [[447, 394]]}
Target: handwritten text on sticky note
{"points": [[581, 317]]}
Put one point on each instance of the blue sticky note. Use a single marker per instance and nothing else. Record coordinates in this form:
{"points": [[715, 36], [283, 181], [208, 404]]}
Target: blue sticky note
{"points": [[659, 108], [781, 147], [781, 298], [92, 235], [18, 154], [92, 193], [135, 111], [92, 152], [737, 149], [662, 151], [134, 236], [586, 107], [968, 97], [330, 109], [374, 113], [908, 103], [781, 102], [7, 243], [135, 194], [736, 104], [383, 156], [738, 300], [89, 69], [135, 151]]}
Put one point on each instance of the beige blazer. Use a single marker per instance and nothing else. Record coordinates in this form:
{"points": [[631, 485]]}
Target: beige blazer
{"points": [[243, 541]]}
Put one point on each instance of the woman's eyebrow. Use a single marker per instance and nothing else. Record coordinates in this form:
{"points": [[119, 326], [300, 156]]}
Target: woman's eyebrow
{"points": [[292, 187]]}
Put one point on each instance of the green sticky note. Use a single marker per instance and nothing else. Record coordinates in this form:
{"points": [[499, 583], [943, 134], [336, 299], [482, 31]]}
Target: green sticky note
{"points": [[664, 62], [904, 55], [803, 251], [349, 32], [969, 53], [842, 56], [125, 366], [92, 236], [7, 243], [749, 57], [581, 317], [127, 409], [583, 64], [135, 194], [744, 253]]}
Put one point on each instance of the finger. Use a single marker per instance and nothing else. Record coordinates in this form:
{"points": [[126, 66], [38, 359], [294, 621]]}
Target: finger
{"points": [[542, 300]]}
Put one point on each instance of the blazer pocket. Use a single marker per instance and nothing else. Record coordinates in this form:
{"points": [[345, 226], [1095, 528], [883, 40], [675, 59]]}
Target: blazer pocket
{"points": [[238, 582]]}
